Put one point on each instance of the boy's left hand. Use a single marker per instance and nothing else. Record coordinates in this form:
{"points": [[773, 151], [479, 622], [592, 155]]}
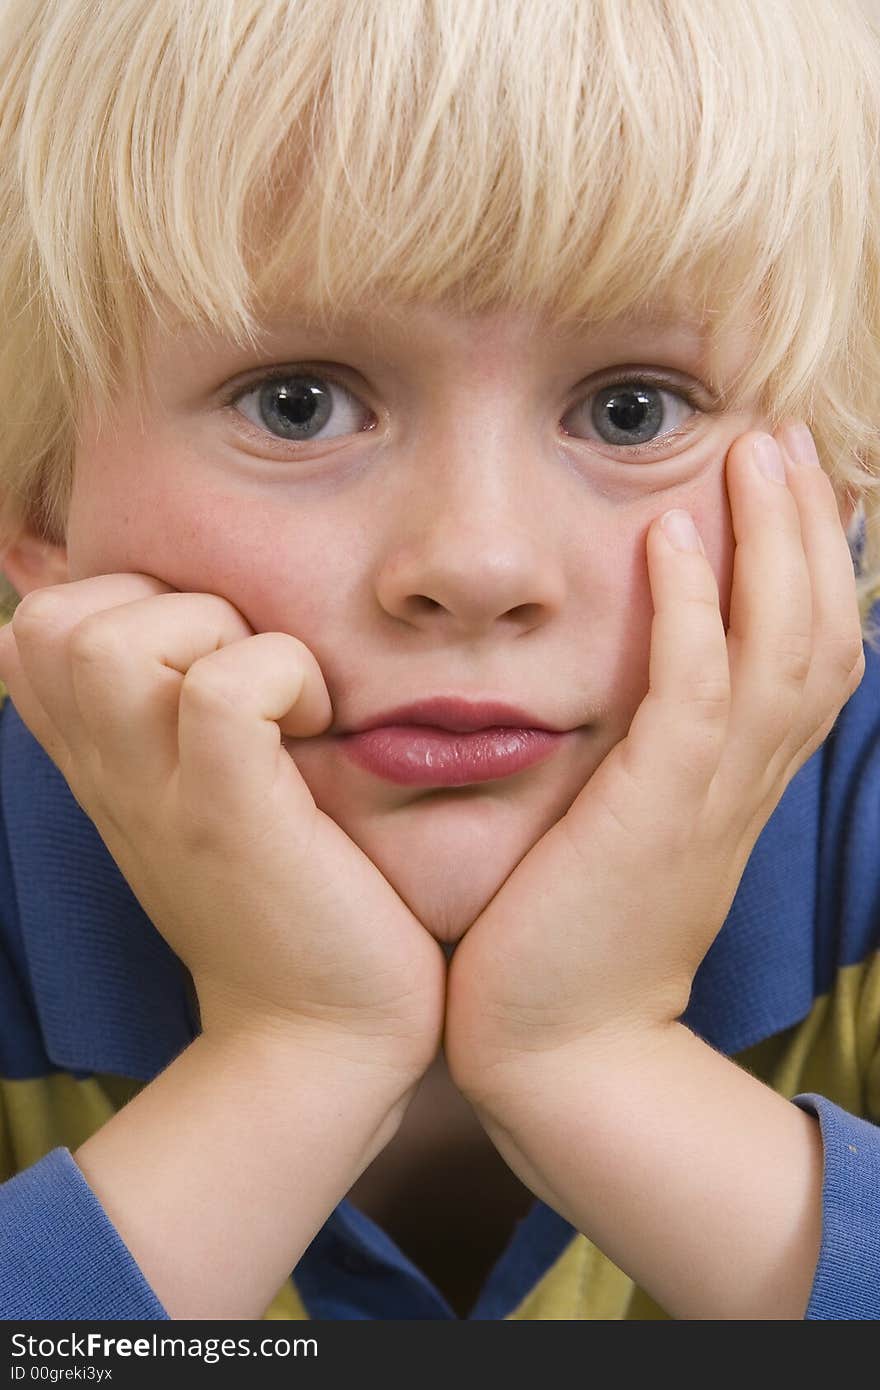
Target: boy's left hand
{"points": [[597, 934]]}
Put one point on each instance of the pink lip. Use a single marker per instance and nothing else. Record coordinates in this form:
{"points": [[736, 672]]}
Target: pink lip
{"points": [[416, 755], [444, 742], [456, 714]]}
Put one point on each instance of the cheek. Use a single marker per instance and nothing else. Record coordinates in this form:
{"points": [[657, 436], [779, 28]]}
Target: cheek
{"points": [[126, 516], [274, 571]]}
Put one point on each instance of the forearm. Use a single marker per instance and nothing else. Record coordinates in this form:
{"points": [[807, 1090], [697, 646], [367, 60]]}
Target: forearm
{"points": [[219, 1173], [696, 1179]]}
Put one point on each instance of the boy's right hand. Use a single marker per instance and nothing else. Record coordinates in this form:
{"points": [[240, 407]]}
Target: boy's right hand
{"points": [[164, 712]]}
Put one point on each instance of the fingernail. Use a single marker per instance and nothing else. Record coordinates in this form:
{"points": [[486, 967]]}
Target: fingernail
{"points": [[680, 531], [768, 457], [799, 445]]}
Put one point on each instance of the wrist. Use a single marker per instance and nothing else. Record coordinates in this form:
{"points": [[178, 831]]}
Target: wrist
{"points": [[511, 1082], [272, 1050], [374, 1057]]}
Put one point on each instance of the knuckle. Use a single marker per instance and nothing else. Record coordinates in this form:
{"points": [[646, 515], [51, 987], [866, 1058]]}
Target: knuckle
{"points": [[701, 691], [38, 614], [857, 672], [703, 597], [843, 662], [793, 654], [209, 689], [96, 642], [846, 647], [291, 650], [709, 696]]}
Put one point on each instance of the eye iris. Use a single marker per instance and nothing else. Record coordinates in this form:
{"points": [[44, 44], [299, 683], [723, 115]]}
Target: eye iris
{"points": [[298, 405], [627, 414]]}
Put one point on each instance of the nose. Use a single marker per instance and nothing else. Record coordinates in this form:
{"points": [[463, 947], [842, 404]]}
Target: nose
{"points": [[479, 543]]}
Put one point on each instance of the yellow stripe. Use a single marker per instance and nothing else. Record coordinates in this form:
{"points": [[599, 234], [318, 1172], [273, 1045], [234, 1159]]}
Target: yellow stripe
{"points": [[834, 1050], [46, 1112]]}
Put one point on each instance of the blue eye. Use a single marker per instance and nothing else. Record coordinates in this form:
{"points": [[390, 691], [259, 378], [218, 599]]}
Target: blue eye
{"points": [[299, 407], [632, 414]]}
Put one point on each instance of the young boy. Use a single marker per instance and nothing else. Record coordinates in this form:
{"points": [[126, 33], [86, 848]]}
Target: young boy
{"points": [[435, 879]]}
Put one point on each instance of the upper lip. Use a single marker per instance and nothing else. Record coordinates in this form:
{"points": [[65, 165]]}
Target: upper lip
{"points": [[458, 714]]}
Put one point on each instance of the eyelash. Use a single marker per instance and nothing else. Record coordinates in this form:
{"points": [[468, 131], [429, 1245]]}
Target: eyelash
{"points": [[320, 373], [625, 377]]}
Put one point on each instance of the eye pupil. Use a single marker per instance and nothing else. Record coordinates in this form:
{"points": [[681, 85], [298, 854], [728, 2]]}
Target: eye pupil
{"points": [[627, 415], [299, 404], [628, 410]]}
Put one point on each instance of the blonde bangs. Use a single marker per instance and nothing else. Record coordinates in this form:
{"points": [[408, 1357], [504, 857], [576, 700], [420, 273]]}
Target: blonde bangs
{"points": [[579, 158]]}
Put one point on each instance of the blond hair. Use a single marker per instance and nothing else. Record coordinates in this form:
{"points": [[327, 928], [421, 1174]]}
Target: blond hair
{"points": [[183, 158]]}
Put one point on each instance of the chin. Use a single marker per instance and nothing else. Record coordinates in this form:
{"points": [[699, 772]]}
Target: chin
{"points": [[445, 852], [447, 857], [445, 909]]}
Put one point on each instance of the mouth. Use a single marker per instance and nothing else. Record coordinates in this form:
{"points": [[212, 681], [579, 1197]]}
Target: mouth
{"points": [[419, 755], [451, 741]]}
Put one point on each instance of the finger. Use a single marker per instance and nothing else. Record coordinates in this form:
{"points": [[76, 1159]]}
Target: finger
{"points": [[233, 706], [838, 662], [23, 697], [128, 665], [677, 733], [41, 628], [770, 633]]}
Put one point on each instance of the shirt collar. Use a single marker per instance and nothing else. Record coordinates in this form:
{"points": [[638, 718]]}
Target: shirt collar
{"points": [[111, 996]]}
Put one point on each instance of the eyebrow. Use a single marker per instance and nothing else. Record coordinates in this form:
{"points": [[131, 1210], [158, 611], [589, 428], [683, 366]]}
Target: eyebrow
{"points": [[295, 317], [276, 327]]}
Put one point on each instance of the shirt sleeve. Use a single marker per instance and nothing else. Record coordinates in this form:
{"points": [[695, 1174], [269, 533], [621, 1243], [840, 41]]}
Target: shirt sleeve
{"points": [[60, 1255], [846, 1284]]}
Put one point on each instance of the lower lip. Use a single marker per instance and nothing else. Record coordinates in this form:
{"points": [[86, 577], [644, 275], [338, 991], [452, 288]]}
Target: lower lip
{"points": [[416, 755]]}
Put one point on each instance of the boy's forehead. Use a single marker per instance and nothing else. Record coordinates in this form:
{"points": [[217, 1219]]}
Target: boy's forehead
{"points": [[288, 325]]}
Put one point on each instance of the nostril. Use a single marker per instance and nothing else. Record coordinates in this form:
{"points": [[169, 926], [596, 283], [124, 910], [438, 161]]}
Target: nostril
{"points": [[525, 613], [426, 604]]}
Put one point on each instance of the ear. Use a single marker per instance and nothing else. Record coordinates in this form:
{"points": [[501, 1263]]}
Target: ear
{"points": [[30, 562]]}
